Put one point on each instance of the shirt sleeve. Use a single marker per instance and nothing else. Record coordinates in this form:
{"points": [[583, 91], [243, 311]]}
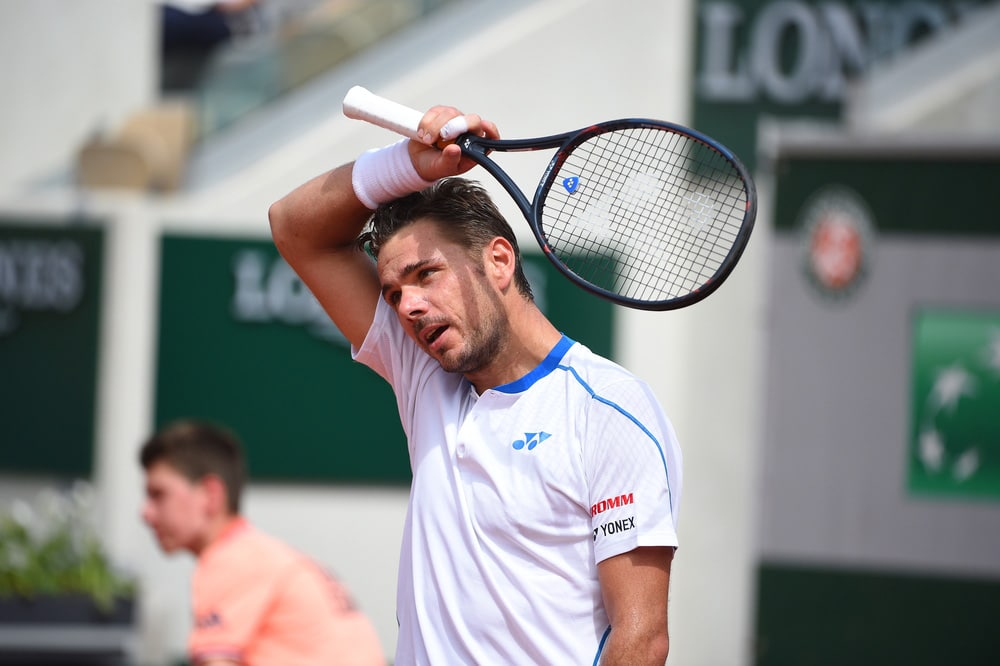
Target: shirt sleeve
{"points": [[634, 470], [374, 349], [390, 352]]}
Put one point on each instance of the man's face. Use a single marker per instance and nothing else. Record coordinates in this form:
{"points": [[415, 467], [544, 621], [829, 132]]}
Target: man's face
{"points": [[442, 297], [176, 509]]}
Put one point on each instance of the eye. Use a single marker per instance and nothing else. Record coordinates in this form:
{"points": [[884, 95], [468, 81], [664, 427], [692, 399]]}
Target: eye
{"points": [[392, 297], [426, 273]]}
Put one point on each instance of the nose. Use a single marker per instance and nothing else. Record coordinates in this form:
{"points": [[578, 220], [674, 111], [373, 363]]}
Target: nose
{"points": [[147, 513], [412, 303]]}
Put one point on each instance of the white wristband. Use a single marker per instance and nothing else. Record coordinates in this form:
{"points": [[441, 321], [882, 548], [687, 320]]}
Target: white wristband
{"points": [[383, 174]]}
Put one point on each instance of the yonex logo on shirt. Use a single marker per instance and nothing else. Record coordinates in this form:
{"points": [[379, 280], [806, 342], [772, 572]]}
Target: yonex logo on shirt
{"points": [[531, 440]]}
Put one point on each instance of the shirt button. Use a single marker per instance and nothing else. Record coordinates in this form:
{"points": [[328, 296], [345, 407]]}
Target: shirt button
{"points": [[461, 450]]}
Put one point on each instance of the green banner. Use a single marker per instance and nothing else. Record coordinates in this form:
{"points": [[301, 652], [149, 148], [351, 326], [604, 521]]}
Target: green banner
{"points": [[955, 432], [796, 58], [243, 342], [832, 616], [905, 193], [50, 288]]}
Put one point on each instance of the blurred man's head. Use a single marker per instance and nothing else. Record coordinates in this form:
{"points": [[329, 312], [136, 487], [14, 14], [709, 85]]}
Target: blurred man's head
{"points": [[195, 474]]}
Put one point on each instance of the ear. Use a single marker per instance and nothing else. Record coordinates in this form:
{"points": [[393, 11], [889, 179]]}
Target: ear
{"points": [[215, 492], [500, 262]]}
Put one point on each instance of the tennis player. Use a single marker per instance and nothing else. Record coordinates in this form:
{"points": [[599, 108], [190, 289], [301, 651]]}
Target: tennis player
{"points": [[542, 520], [257, 601]]}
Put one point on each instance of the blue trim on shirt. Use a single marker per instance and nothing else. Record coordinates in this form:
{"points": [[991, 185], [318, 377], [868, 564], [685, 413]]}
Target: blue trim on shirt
{"points": [[548, 364], [621, 410], [600, 646]]}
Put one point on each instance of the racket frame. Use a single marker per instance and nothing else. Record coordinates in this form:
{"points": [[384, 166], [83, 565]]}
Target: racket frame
{"points": [[361, 104], [478, 148]]}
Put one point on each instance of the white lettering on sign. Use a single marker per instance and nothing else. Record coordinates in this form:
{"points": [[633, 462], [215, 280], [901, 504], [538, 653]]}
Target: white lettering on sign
{"points": [[794, 52], [39, 275], [267, 290]]}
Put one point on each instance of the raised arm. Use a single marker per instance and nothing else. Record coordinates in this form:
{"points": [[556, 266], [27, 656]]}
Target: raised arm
{"points": [[315, 227]]}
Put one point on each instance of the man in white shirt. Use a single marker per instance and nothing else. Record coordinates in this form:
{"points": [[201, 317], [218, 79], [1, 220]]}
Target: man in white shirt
{"points": [[546, 479]]}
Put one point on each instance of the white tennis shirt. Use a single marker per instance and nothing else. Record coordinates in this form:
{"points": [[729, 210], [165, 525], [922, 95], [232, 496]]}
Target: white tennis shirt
{"points": [[517, 494]]}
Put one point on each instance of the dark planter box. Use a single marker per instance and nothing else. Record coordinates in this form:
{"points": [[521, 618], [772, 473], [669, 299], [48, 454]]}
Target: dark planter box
{"points": [[65, 630]]}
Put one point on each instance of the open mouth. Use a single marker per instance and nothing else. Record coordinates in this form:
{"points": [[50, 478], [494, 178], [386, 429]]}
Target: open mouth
{"points": [[434, 334]]}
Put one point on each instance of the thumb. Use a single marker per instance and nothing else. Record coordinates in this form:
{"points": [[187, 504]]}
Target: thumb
{"points": [[435, 164]]}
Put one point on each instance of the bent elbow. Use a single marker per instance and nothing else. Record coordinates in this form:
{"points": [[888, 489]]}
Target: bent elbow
{"points": [[276, 218], [659, 649], [281, 233]]}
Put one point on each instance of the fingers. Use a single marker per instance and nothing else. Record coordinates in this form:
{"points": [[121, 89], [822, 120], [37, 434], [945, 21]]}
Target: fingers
{"points": [[442, 124], [489, 130], [434, 153], [454, 127]]}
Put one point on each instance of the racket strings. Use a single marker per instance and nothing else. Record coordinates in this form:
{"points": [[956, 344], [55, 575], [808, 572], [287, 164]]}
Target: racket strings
{"points": [[687, 262], [645, 213]]}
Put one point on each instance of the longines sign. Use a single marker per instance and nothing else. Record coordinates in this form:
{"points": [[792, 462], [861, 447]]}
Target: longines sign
{"points": [[38, 275], [50, 288], [796, 58]]}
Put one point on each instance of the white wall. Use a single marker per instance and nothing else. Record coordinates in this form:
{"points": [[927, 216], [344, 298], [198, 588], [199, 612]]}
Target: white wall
{"points": [[534, 68], [70, 68]]}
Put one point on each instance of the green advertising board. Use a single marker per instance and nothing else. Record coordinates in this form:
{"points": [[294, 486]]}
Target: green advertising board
{"points": [[796, 58], [50, 288], [955, 427], [881, 444], [942, 194], [243, 342]]}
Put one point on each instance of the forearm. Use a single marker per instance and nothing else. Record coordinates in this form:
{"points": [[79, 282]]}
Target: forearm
{"points": [[320, 216], [635, 587]]}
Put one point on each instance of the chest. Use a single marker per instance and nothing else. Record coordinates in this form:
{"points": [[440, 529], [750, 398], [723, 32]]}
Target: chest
{"points": [[516, 466]]}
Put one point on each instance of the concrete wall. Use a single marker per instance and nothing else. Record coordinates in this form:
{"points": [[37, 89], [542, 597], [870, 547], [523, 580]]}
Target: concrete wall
{"points": [[535, 68], [70, 68]]}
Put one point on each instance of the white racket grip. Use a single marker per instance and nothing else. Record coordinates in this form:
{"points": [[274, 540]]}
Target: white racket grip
{"points": [[362, 104]]}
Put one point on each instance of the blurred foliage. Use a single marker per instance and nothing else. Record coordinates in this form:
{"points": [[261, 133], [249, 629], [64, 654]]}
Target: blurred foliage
{"points": [[51, 547]]}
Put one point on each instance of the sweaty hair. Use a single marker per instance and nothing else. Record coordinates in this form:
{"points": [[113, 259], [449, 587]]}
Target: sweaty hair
{"points": [[197, 449], [462, 210]]}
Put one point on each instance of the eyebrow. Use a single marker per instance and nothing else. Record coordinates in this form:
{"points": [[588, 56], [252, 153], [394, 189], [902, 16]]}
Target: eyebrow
{"points": [[407, 270]]}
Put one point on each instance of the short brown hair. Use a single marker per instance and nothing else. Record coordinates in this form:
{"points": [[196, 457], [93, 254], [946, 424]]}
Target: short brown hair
{"points": [[196, 449], [462, 210]]}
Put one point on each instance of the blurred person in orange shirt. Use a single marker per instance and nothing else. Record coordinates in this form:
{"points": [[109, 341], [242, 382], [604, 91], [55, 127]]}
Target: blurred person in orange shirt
{"points": [[257, 601]]}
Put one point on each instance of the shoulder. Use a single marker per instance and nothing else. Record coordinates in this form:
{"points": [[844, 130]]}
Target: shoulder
{"points": [[249, 551], [611, 388], [596, 372]]}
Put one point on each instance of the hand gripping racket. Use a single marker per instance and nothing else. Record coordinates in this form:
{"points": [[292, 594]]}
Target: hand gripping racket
{"points": [[644, 213]]}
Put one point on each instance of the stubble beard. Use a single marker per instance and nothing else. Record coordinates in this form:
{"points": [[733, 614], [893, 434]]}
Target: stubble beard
{"points": [[484, 343]]}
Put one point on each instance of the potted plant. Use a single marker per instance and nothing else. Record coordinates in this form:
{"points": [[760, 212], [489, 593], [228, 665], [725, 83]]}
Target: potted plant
{"points": [[56, 574]]}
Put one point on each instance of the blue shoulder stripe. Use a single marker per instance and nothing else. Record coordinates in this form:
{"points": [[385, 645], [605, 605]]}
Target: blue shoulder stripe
{"points": [[621, 410]]}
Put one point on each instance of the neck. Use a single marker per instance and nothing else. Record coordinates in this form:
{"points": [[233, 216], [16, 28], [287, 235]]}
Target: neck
{"points": [[215, 531], [532, 336]]}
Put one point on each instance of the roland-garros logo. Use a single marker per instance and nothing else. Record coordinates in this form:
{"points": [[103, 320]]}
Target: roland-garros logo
{"points": [[611, 503], [838, 230]]}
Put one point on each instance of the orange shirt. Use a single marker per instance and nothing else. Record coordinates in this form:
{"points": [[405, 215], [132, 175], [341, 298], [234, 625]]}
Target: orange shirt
{"points": [[259, 602]]}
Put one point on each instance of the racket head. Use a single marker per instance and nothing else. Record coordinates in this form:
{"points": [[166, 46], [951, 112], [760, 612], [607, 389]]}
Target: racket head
{"points": [[645, 213]]}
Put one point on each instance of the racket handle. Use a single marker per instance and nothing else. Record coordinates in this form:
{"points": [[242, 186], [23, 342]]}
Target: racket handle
{"points": [[362, 104]]}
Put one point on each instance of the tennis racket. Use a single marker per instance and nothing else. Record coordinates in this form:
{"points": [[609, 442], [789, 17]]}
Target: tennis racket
{"points": [[644, 213]]}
